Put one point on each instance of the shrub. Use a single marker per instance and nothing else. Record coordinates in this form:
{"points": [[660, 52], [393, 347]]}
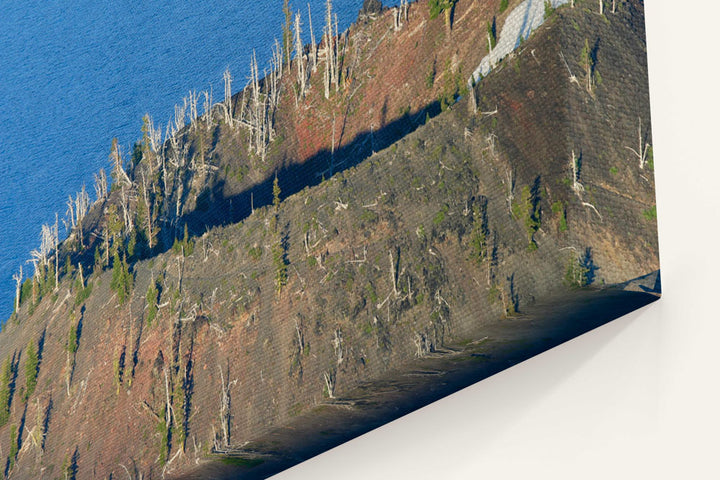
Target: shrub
{"points": [[82, 293], [503, 5], [548, 8], [651, 213]]}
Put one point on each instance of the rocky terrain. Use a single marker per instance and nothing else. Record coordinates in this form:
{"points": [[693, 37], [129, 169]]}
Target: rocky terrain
{"points": [[307, 236]]}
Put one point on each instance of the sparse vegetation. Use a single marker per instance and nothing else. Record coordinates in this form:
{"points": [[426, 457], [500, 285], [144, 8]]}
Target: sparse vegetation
{"points": [[650, 214]]}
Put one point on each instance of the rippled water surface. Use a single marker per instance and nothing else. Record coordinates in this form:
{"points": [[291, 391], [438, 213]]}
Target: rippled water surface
{"points": [[73, 75]]}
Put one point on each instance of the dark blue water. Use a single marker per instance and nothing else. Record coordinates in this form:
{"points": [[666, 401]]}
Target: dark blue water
{"points": [[73, 75]]}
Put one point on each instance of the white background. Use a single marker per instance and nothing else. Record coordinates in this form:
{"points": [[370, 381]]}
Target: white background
{"points": [[637, 398]]}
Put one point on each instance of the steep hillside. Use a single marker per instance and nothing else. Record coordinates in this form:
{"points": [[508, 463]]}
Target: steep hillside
{"points": [[402, 214]]}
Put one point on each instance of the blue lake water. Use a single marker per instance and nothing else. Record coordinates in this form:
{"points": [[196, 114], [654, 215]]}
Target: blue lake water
{"points": [[73, 75]]}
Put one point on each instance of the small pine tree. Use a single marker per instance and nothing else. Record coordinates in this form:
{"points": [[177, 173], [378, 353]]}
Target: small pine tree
{"points": [[281, 276], [32, 362], [122, 279], [276, 194], [503, 5], [151, 298], [5, 396]]}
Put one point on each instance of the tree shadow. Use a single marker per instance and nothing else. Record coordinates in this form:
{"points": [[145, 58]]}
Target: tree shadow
{"points": [[41, 347], [514, 295], [222, 209], [594, 55], [46, 422], [589, 266]]}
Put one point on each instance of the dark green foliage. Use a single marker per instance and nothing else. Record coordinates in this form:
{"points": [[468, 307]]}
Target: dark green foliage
{"points": [[576, 274], [122, 279], [186, 247], [164, 432], [151, 297], [254, 252], [528, 211], [98, 258], [492, 33], [32, 363], [503, 5], [276, 194], [69, 269], [82, 293], [478, 236], [137, 154], [558, 209], [430, 77], [440, 216], [72, 341], [26, 290], [548, 8], [280, 263], [451, 86], [6, 374], [439, 6], [14, 446], [651, 213]]}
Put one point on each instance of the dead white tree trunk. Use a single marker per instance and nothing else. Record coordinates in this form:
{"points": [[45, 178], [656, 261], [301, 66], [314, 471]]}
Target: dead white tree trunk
{"points": [[18, 277], [337, 343], [313, 45], [101, 185], [601, 2], [393, 275], [299, 60], [180, 116], [301, 340], [192, 103], [576, 185], [148, 214], [56, 246], [168, 403], [225, 415], [127, 212], [329, 378], [331, 74], [227, 79], [207, 109], [117, 162], [641, 152]]}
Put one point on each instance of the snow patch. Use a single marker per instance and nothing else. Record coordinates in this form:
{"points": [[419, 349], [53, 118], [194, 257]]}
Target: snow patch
{"points": [[520, 23]]}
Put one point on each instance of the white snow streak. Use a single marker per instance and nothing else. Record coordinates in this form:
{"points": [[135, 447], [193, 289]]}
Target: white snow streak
{"points": [[520, 23]]}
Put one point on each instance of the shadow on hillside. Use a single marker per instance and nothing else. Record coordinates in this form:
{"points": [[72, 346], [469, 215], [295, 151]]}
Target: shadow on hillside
{"points": [[293, 178]]}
